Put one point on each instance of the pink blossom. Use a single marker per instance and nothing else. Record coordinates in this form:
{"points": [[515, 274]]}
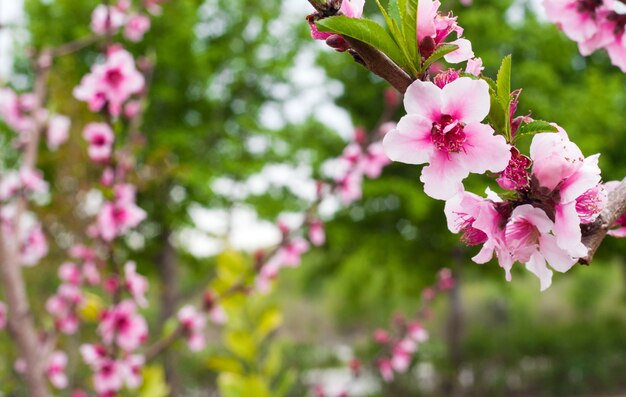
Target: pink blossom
{"points": [[70, 273], [529, 241], [349, 187], [559, 166], [136, 284], [109, 377], [62, 307], [110, 83], [576, 18], [515, 176], [193, 323], [136, 26], [443, 128], [480, 222], [118, 217], [316, 233], [374, 160], [100, 138], [106, 20], [474, 66], [58, 131], [381, 336], [56, 369], [3, 315], [132, 367], [400, 359], [34, 246], [290, 254], [417, 332], [32, 180], [17, 110], [93, 355], [122, 325], [386, 369], [434, 28], [10, 184]]}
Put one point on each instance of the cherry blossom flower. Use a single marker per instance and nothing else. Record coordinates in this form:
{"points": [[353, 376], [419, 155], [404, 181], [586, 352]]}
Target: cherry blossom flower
{"points": [[136, 26], [515, 176], [34, 246], [112, 82], [386, 369], [577, 18], [474, 66], [56, 369], [32, 180], [559, 167], [62, 307], [106, 20], [136, 284], [193, 323], [58, 131], [109, 377], [434, 28], [530, 242], [316, 233], [443, 128], [17, 110], [132, 367], [122, 325], [100, 138], [10, 184], [118, 217]]}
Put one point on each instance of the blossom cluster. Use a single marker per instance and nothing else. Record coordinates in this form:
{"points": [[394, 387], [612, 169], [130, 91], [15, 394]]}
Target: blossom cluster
{"points": [[593, 24]]}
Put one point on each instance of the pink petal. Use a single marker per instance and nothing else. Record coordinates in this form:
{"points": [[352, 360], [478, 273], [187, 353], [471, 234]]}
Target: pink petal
{"points": [[537, 266], [558, 259], [423, 98], [466, 99], [587, 177], [462, 54], [443, 176], [485, 151], [567, 230], [411, 142]]}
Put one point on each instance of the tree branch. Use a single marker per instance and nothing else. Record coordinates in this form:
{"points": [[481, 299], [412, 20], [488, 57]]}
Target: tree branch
{"points": [[594, 234], [379, 64]]}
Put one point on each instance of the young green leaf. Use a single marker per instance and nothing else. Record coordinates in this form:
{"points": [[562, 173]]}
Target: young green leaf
{"points": [[496, 115], [439, 53], [504, 83], [397, 35], [394, 11], [409, 29], [535, 127], [368, 32]]}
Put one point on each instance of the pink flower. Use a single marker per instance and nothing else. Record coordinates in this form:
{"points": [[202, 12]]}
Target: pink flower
{"points": [[386, 370], [349, 187], [316, 233], [118, 217], [417, 332], [136, 26], [3, 315], [111, 83], [374, 160], [58, 131], [576, 18], [474, 66], [10, 184], [515, 176], [559, 167], [443, 128], [433, 29], [106, 20], [100, 138], [291, 252], [62, 307], [93, 355], [193, 323], [122, 325], [349, 8], [381, 336], [529, 241], [56, 369], [109, 377], [132, 367], [136, 284], [480, 222], [70, 273], [32, 180], [17, 110], [34, 246]]}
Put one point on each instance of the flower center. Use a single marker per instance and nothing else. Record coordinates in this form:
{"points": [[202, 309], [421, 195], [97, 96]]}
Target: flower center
{"points": [[114, 77], [515, 176], [471, 236], [448, 134], [590, 204]]}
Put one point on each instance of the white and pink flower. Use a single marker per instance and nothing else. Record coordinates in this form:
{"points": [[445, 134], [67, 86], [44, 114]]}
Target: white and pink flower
{"points": [[193, 323], [122, 325], [443, 128]]}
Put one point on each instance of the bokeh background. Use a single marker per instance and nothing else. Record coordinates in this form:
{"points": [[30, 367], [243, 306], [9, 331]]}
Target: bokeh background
{"points": [[244, 110]]}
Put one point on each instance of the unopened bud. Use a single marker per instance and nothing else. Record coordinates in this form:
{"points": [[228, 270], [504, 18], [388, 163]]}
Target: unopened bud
{"points": [[337, 42]]}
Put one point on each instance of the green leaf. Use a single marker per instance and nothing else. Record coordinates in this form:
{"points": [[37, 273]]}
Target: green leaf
{"points": [[439, 53], [242, 344], [396, 34], [394, 11], [496, 114], [224, 364], [154, 384], [367, 31], [409, 28], [269, 321], [534, 127], [504, 83]]}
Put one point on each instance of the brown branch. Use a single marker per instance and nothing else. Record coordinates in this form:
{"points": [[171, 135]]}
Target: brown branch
{"points": [[379, 64], [594, 234], [21, 323]]}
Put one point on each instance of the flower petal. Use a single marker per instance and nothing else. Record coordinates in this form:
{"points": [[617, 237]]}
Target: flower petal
{"points": [[537, 266], [411, 141], [558, 258], [443, 176], [423, 98], [466, 100], [485, 151], [567, 230]]}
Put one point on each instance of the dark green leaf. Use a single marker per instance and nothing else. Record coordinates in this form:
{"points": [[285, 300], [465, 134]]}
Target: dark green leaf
{"points": [[366, 31], [504, 83], [439, 53], [534, 127]]}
